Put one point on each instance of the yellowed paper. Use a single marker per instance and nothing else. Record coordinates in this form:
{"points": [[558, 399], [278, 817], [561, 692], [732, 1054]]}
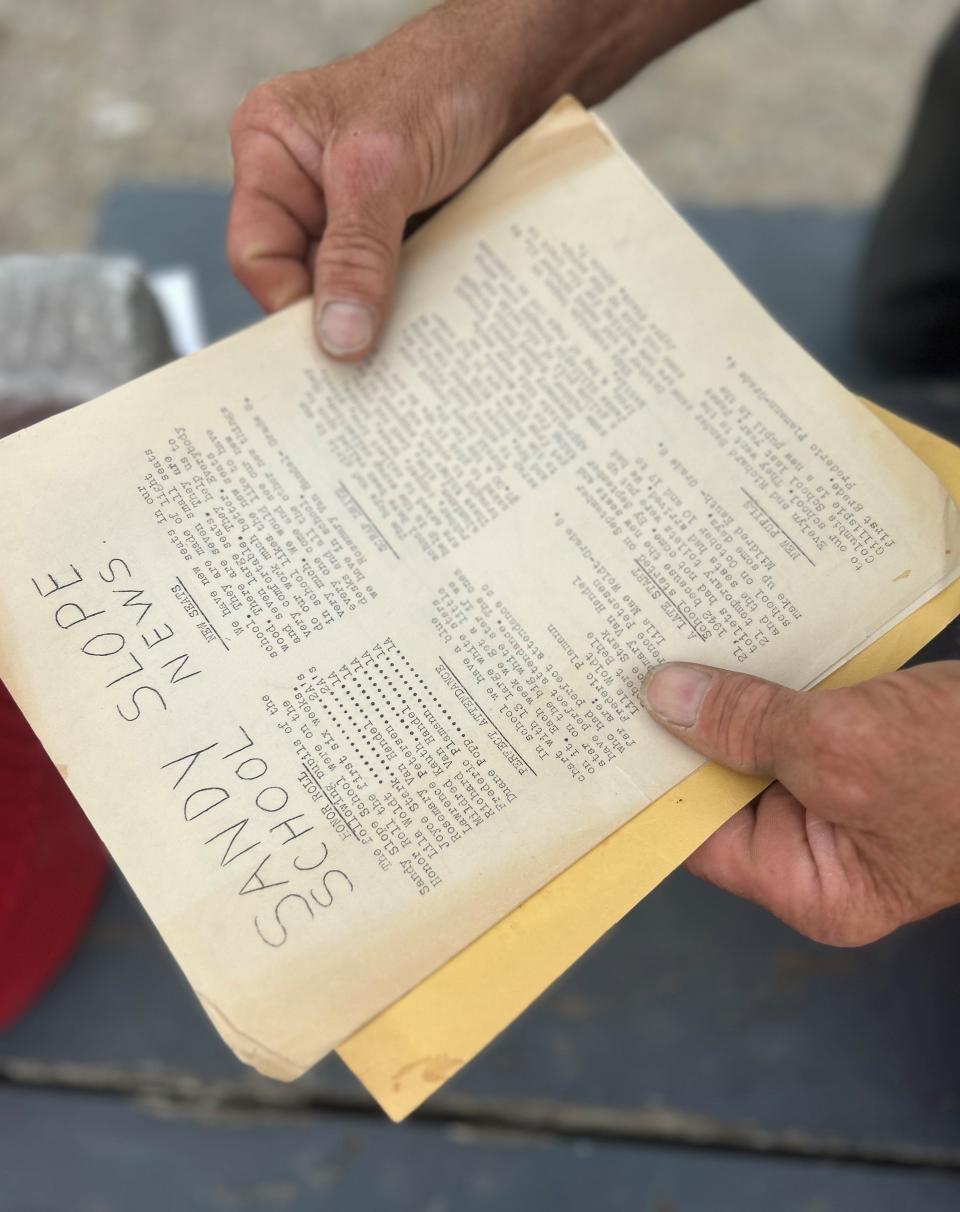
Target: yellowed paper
{"points": [[342, 662], [406, 1053]]}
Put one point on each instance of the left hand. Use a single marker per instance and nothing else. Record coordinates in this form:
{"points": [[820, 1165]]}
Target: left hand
{"points": [[331, 162], [861, 831]]}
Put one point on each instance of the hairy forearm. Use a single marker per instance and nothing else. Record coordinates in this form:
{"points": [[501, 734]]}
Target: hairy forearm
{"points": [[527, 53]]}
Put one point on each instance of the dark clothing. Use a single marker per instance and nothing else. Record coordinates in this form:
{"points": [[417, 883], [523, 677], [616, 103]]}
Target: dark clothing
{"points": [[909, 303]]}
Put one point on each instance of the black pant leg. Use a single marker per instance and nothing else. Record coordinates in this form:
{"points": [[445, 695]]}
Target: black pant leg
{"points": [[909, 297]]}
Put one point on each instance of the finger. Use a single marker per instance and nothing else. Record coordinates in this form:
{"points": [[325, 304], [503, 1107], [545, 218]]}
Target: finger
{"points": [[276, 212], [267, 252], [750, 853], [357, 259], [742, 722], [724, 859], [775, 853]]}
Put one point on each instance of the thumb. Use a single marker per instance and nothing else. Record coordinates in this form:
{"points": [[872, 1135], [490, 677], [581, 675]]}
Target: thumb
{"points": [[739, 721], [356, 262]]}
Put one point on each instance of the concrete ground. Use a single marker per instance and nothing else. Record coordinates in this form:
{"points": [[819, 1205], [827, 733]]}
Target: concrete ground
{"points": [[800, 101]]}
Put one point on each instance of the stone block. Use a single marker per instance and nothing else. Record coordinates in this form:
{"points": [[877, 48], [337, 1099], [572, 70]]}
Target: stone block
{"points": [[71, 328]]}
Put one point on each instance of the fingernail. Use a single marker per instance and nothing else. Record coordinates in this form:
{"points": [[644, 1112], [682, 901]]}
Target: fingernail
{"points": [[674, 693], [345, 328]]}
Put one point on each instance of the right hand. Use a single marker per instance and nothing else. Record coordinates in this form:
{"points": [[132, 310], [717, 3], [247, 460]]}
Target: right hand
{"points": [[861, 833], [331, 162]]}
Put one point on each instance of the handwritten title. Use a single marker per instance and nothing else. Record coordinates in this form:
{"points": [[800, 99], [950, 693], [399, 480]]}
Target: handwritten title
{"points": [[145, 665]]}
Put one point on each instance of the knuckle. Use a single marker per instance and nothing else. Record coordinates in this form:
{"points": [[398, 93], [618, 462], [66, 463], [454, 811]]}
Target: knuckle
{"points": [[278, 105], [237, 260], [830, 721], [861, 916], [246, 267], [233, 246], [842, 930], [841, 735], [746, 719], [260, 105], [253, 168], [236, 243], [368, 154], [375, 164], [359, 252]]}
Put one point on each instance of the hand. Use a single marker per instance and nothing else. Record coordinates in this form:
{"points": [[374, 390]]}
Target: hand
{"points": [[861, 832], [330, 163]]}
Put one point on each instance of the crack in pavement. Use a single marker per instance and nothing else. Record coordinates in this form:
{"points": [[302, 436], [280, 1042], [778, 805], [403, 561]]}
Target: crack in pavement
{"points": [[168, 1092]]}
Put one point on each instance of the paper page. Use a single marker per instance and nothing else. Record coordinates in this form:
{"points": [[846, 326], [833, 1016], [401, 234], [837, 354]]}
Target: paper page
{"points": [[342, 662], [406, 1053]]}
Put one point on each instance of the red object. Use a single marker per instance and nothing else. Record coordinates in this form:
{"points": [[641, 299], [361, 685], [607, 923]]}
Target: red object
{"points": [[52, 866]]}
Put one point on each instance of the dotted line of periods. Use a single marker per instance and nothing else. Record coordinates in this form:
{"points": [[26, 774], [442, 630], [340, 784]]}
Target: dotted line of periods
{"points": [[376, 709], [346, 735], [415, 673], [412, 691], [378, 712], [398, 720]]}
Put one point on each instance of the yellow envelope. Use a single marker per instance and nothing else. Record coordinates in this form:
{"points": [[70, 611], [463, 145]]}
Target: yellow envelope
{"points": [[404, 1054]]}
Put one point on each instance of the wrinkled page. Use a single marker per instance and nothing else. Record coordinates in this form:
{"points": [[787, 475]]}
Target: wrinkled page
{"points": [[342, 662]]}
